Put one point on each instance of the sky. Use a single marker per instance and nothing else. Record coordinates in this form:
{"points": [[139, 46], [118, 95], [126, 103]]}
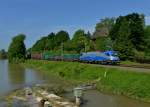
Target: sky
{"points": [[37, 18]]}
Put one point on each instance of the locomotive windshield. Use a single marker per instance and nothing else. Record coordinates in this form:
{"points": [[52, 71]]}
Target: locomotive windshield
{"points": [[114, 54]]}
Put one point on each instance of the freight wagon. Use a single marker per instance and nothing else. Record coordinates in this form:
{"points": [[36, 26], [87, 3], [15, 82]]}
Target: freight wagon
{"points": [[36, 56], [65, 57]]}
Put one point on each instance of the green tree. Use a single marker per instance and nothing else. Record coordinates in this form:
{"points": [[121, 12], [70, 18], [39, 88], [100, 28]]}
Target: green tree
{"points": [[136, 26], [45, 43], [137, 30], [100, 37], [113, 34], [131, 38], [103, 43], [147, 40], [61, 37], [88, 35], [40, 45], [50, 42], [68, 46], [78, 34], [123, 44], [80, 41], [3, 54], [103, 28], [17, 49]]}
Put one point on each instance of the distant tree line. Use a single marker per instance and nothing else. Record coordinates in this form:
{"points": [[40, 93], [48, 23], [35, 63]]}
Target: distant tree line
{"points": [[126, 34], [55, 42]]}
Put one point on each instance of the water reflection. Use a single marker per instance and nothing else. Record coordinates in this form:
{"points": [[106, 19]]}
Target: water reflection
{"points": [[4, 80], [13, 76], [16, 74], [96, 99], [93, 98]]}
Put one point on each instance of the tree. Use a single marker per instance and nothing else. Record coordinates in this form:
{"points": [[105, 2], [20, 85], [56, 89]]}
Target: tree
{"points": [[69, 46], [131, 38], [103, 28], [78, 34], [61, 37], [100, 37], [40, 45], [81, 42], [45, 43], [17, 49], [50, 42], [147, 40], [136, 26], [137, 30], [76, 41], [88, 35], [103, 43], [113, 34], [123, 44], [3, 54]]}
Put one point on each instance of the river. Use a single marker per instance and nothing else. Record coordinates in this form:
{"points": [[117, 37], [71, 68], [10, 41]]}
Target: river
{"points": [[13, 76]]}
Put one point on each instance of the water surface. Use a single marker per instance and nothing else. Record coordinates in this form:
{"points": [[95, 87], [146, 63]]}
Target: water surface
{"points": [[93, 98], [13, 76]]}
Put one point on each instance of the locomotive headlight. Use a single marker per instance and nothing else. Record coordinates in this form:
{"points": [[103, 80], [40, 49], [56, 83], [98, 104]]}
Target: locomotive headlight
{"points": [[111, 58]]}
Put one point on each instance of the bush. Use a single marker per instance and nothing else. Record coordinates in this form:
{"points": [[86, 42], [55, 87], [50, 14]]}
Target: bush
{"points": [[141, 57]]}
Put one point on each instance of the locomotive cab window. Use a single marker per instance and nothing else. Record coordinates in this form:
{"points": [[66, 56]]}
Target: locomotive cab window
{"points": [[115, 54], [107, 54]]}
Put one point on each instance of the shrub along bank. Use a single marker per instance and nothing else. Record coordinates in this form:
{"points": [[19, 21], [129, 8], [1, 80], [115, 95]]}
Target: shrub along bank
{"points": [[113, 80]]}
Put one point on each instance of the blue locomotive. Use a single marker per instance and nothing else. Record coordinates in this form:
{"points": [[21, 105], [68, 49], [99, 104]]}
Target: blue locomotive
{"points": [[107, 57]]}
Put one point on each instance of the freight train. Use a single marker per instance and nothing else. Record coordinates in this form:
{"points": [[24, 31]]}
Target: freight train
{"points": [[106, 57]]}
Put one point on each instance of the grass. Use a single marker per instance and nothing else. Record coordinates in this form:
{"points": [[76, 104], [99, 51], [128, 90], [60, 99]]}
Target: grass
{"points": [[133, 63], [128, 62], [112, 80]]}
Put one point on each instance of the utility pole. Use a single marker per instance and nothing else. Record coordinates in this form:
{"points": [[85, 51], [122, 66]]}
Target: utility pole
{"points": [[85, 46], [62, 51]]}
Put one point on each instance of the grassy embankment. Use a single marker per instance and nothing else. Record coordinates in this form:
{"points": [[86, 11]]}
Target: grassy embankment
{"points": [[117, 81]]}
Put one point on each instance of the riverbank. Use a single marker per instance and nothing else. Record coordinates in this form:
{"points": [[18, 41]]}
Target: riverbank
{"points": [[110, 80], [37, 95]]}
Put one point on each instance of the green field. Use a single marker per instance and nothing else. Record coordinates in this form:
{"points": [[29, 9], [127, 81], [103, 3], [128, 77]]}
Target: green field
{"points": [[111, 80]]}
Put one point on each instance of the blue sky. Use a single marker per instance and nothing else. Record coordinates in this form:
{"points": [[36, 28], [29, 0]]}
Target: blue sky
{"points": [[37, 18]]}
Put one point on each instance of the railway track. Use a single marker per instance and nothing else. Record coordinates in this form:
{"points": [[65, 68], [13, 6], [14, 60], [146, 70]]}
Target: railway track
{"points": [[132, 68], [136, 66], [125, 67], [144, 66]]}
